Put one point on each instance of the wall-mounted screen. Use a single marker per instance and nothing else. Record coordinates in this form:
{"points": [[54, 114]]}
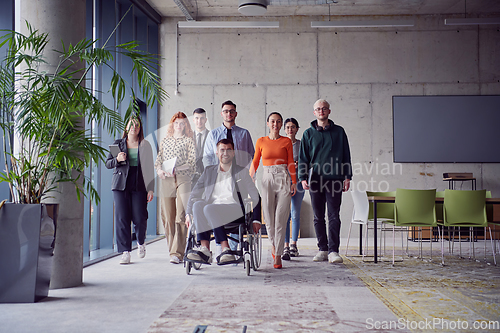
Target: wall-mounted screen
{"points": [[446, 129]]}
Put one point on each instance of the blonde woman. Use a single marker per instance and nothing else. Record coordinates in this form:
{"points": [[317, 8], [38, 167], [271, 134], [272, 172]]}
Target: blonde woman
{"points": [[176, 184], [277, 188]]}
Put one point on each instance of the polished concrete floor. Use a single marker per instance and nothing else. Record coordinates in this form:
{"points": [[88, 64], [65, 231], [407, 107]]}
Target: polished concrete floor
{"points": [[152, 295]]}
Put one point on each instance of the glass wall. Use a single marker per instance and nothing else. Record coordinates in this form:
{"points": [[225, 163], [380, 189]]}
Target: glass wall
{"points": [[139, 22], [133, 20], [6, 23]]}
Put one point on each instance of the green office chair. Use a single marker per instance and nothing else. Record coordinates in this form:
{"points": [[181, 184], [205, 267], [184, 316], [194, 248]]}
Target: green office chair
{"points": [[467, 209], [414, 208], [385, 212]]}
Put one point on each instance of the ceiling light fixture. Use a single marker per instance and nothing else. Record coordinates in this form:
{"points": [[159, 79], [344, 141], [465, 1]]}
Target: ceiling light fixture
{"points": [[363, 24], [252, 7], [228, 24], [472, 21]]}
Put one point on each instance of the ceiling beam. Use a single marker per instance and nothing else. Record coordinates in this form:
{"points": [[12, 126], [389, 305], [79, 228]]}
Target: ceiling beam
{"points": [[184, 9]]}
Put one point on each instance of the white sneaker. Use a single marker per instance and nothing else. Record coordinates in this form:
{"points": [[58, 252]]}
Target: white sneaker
{"points": [[321, 256], [142, 250], [195, 256], [226, 257], [125, 258], [335, 258], [175, 260]]}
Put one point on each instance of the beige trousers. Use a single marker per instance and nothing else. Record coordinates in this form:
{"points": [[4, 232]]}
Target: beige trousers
{"points": [[174, 197], [276, 199]]}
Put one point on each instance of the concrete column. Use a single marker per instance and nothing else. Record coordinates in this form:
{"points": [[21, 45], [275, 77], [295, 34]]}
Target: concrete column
{"points": [[63, 20]]}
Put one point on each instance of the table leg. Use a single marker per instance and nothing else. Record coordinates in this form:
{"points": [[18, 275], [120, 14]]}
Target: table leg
{"points": [[360, 239]]}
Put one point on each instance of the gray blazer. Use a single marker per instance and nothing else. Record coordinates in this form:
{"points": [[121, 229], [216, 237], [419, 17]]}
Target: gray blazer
{"points": [[145, 166], [242, 182]]}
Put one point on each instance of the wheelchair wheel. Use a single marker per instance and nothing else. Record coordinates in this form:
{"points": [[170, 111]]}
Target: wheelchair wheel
{"points": [[247, 266], [256, 250], [190, 244]]}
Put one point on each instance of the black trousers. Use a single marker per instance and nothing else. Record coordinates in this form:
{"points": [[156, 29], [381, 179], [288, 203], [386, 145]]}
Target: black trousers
{"points": [[130, 206], [326, 194]]}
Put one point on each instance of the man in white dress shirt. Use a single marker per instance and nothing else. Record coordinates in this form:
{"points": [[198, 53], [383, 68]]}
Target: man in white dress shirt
{"points": [[216, 200]]}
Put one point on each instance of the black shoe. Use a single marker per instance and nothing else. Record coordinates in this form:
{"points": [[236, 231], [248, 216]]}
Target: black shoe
{"points": [[286, 254], [294, 252]]}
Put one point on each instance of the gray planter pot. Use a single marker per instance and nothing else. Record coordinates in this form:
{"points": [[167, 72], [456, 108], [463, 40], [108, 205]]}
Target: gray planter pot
{"points": [[27, 238]]}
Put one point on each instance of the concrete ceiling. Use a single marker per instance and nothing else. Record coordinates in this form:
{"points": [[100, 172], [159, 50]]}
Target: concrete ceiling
{"points": [[212, 8]]}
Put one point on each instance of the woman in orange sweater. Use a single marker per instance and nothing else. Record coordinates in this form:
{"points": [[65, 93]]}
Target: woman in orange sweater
{"points": [[277, 184]]}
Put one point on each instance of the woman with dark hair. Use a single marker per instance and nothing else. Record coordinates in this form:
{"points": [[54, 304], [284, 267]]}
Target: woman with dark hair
{"points": [[132, 186], [291, 250], [276, 186], [176, 184]]}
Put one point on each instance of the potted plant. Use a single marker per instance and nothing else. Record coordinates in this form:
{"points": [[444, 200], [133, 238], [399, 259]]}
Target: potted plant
{"points": [[45, 143]]}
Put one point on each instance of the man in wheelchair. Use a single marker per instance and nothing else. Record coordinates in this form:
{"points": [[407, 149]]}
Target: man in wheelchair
{"points": [[217, 200]]}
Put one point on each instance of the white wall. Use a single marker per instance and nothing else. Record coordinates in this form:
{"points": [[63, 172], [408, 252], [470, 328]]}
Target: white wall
{"points": [[357, 70]]}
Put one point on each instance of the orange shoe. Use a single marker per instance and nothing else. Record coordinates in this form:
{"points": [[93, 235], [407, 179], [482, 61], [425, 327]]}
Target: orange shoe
{"points": [[276, 265]]}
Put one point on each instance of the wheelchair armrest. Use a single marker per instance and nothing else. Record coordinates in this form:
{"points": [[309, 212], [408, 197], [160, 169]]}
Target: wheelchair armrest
{"points": [[248, 203], [191, 228]]}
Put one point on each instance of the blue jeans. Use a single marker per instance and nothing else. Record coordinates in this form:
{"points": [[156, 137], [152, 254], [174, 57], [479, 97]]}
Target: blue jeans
{"points": [[295, 214]]}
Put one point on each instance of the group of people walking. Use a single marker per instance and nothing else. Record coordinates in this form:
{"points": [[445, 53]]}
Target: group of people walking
{"points": [[217, 167]]}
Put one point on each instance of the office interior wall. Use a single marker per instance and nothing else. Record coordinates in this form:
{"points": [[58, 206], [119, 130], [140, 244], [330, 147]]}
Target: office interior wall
{"points": [[357, 70]]}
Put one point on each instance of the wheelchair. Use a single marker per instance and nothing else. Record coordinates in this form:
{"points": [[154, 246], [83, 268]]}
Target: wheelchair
{"points": [[249, 250]]}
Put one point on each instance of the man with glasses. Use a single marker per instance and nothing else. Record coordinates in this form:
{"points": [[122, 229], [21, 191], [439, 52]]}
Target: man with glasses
{"points": [[243, 145], [325, 170], [216, 200]]}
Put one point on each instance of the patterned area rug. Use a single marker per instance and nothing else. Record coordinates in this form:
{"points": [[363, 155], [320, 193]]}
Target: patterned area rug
{"points": [[302, 297], [464, 290], [462, 296]]}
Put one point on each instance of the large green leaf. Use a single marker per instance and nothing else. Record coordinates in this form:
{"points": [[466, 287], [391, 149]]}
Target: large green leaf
{"points": [[48, 109]]}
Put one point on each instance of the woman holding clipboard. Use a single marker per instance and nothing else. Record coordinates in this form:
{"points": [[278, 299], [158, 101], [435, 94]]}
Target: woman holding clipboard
{"points": [[132, 186], [175, 164]]}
